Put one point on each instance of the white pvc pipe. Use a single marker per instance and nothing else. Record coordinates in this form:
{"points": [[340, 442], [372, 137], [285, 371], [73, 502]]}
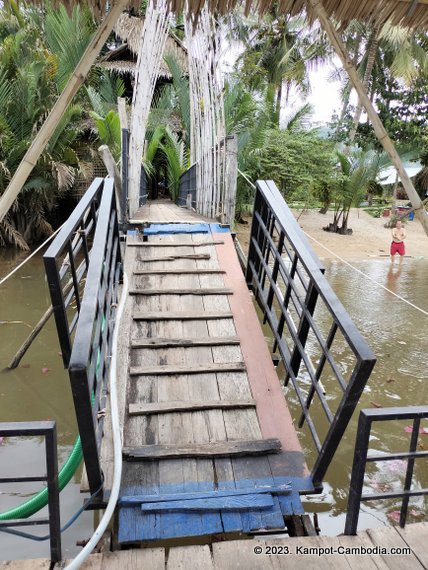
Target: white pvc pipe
{"points": [[117, 443]]}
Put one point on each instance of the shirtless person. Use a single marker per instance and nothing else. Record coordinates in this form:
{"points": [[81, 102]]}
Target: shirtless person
{"points": [[398, 237]]}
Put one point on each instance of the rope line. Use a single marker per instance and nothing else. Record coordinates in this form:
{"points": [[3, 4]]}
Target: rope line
{"points": [[368, 276], [29, 257]]}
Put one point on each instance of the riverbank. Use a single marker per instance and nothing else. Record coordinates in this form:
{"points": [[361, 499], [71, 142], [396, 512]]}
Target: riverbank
{"points": [[370, 239]]}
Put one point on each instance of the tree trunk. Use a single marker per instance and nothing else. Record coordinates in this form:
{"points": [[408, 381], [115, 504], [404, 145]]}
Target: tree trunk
{"points": [[378, 127], [371, 56]]}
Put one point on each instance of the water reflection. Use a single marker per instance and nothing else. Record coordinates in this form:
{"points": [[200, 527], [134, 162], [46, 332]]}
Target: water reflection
{"points": [[37, 390], [398, 334]]}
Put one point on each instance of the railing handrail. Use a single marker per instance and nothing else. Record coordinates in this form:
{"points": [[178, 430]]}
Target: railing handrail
{"points": [[288, 282], [293, 231], [74, 220], [366, 419], [83, 336]]}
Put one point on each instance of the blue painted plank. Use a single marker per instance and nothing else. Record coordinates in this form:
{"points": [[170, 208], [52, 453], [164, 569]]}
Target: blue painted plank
{"points": [[137, 499], [155, 229], [237, 503], [219, 229]]}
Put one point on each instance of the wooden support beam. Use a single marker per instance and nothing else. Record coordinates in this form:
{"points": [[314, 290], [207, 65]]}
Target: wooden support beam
{"points": [[176, 369], [187, 316], [47, 129], [199, 292], [335, 40], [178, 271], [185, 342], [181, 406], [174, 243], [213, 449]]}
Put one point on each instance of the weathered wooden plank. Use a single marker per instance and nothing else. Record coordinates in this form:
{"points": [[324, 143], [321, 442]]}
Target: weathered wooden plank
{"points": [[174, 243], [415, 535], [212, 449], [176, 369], [186, 557], [232, 503], [181, 316], [148, 292], [178, 256], [184, 342], [139, 499], [384, 538], [179, 271], [183, 406], [135, 559]]}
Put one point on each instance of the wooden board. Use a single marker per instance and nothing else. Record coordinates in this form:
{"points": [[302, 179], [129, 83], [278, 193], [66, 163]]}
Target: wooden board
{"points": [[230, 503], [184, 557], [181, 316], [147, 292], [184, 342], [177, 256], [176, 369], [181, 406], [136, 499], [415, 536], [212, 449], [174, 243], [178, 271]]}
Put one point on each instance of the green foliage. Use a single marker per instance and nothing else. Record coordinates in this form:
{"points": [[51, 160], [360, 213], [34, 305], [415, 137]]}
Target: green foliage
{"points": [[300, 162]]}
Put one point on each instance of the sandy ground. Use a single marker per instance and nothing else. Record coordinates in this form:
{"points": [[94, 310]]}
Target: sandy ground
{"points": [[369, 238]]}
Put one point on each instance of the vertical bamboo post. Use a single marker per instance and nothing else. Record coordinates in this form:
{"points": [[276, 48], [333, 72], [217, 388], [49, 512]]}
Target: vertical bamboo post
{"points": [[231, 177], [378, 127], [47, 129], [114, 173]]}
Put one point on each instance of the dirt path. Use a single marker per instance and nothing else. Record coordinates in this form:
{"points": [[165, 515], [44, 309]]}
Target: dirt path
{"points": [[369, 238]]}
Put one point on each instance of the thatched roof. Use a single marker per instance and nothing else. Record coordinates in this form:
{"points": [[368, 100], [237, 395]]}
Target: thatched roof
{"points": [[129, 30], [413, 13]]}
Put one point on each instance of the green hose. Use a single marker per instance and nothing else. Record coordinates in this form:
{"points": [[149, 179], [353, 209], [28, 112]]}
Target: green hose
{"points": [[40, 500]]}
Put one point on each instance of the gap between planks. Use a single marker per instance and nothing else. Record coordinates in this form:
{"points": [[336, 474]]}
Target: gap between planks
{"points": [[189, 406]]}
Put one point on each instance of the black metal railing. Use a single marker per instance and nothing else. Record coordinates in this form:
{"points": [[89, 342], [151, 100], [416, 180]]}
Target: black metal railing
{"points": [[66, 264], [47, 430], [188, 186], [89, 361], [361, 457], [325, 357]]}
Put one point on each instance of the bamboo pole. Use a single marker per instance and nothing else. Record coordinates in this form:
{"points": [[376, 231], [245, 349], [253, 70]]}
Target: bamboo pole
{"points": [[47, 129], [378, 127], [114, 173]]}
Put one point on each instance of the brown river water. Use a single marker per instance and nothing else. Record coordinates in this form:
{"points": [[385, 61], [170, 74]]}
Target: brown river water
{"points": [[39, 390]]}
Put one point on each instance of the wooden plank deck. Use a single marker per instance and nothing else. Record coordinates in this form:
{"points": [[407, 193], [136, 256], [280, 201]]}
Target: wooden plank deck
{"points": [[284, 552], [164, 211], [170, 369]]}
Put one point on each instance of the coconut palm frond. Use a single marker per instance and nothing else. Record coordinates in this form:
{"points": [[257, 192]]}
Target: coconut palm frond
{"points": [[10, 235]]}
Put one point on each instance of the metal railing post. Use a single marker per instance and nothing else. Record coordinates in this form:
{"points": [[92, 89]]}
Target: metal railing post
{"points": [[357, 474], [53, 493]]}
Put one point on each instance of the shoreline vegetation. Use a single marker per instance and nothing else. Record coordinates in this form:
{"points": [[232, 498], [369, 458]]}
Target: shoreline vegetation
{"points": [[369, 239]]}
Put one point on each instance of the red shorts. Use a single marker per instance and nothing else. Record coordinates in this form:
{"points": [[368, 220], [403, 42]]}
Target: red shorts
{"points": [[397, 248]]}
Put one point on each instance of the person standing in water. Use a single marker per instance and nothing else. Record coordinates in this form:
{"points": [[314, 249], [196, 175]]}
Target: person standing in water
{"points": [[398, 237]]}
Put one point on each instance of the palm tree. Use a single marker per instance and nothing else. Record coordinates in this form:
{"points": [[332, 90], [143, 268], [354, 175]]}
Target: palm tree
{"points": [[394, 48], [279, 55]]}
